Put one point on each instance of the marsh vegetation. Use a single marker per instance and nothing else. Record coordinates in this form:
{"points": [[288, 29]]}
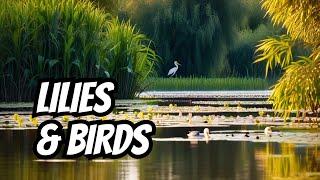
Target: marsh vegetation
{"points": [[68, 39], [207, 84], [127, 40]]}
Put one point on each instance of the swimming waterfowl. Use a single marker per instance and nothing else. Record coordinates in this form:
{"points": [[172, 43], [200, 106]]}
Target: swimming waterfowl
{"points": [[268, 131], [195, 134], [247, 134], [206, 133]]}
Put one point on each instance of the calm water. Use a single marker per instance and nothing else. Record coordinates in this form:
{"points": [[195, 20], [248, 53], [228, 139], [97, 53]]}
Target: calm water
{"points": [[168, 160]]}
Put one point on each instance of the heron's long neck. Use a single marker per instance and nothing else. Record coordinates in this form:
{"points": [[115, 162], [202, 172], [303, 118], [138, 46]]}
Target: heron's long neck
{"points": [[176, 65]]}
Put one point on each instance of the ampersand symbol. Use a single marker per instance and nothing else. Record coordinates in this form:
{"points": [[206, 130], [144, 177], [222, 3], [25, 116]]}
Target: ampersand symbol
{"points": [[49, 140]]}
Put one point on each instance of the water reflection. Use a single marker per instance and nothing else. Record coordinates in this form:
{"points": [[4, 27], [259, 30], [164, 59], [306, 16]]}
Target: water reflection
{"points": [[168, 160], [290, 161]]}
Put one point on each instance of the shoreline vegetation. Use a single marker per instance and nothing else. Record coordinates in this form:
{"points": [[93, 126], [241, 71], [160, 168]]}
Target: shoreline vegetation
{"points": [[129, 41], [68, 39], [208, 84], [139, 41]]}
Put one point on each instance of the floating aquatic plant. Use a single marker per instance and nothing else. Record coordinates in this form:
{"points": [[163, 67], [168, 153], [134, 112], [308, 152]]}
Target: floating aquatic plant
{"points": [[140, 115], [149, 116], [20, 120], [34, 121], [196, 108], [126, 116], [15, 117], [103, 118], [261, 113], [65, 118], [171, 107], [150, 109]]}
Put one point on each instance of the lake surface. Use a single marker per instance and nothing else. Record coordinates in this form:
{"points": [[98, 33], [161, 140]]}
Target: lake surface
{"points": [[168, 160]]}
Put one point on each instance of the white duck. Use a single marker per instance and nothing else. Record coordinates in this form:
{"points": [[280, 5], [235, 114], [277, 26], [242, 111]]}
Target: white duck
{"points": [[268, 131], [193, 134], [206, 133], [196, 134]]}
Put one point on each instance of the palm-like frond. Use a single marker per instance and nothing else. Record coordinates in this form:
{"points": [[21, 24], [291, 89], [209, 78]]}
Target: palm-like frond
{"points": [[275, 51], [299, 87], [301, 18]]}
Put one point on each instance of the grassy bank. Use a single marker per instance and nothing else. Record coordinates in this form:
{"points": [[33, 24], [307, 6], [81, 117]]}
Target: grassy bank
{"points": [[193, 83]]}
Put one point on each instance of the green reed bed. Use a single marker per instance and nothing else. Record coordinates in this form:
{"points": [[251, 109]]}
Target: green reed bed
{"points": [[67, 38], [195, 83], [48, 39], [131, 58]]}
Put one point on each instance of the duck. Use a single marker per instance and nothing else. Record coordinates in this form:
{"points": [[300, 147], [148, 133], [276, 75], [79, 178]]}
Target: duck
{"points": [[206, 133], [268, 131], [195, 134], [247, 134]]}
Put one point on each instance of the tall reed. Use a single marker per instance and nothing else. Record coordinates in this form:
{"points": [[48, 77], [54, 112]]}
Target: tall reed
{"points": [[131, 58], [67, 38], [48, 38]]}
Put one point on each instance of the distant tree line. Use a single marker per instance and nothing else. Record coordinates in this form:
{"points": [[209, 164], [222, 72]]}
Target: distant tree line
{"points": [[210, 38]]}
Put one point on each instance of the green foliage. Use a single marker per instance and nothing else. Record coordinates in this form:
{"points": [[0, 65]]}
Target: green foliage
{"points": [[131, 58], [201, 83], [275, 51], [66, 38], [300, 18], [202, 35], [47, 38], [110, 6], [298, 88], [243, 52]]}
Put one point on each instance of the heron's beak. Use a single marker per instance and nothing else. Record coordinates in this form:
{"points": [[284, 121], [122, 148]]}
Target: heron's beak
{"points": [[179, 64]]}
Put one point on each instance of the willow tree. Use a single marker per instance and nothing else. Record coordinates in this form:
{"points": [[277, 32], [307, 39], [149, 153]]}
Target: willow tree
{"points": [[299, 87], [197, 33]]}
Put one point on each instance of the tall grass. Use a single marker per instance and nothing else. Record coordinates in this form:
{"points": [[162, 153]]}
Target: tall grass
{"points": [[131, 58], [194, 83], [66, 38], [48, 38]]}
